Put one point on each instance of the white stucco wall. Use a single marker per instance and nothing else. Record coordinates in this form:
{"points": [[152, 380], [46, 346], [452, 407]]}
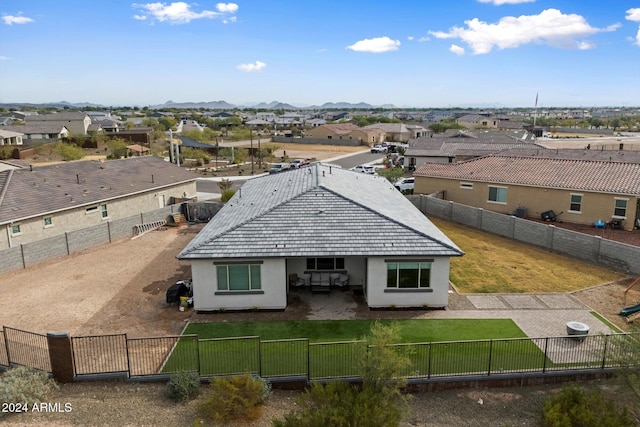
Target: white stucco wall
{"points": [[273, 295], [377, 294]]}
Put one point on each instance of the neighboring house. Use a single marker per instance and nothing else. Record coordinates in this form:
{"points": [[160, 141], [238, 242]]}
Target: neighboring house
{"points": [[319, 219], [75, 122], [478, 121], [578, 191], [456, 146], [347, 131], [40, 131], [40, 202], [8, 137], [397, 132]]}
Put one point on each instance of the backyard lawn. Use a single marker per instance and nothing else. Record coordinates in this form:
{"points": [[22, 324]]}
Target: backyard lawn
{"points": [[413, 330], [494, 264], [280, 348]]}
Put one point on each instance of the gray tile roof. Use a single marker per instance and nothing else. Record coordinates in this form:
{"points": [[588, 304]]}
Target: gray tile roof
{"points": [[26, 193], [43, 128], [584, 175], [318, 211], [625, 156]]}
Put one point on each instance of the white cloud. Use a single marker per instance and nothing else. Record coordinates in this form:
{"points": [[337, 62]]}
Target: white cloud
{"points": [[550, 27], [250, 68], [501, 2], [633, 15], [376, 45], [638, 37], [410, 38], [424, 39], [11, 19], [227, 7], [182, 13], [457, 49], [4, 58]]}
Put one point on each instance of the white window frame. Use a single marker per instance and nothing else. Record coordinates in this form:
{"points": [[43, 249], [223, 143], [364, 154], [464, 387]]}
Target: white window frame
{"points": [[252, 287], [466, 185], [498, 187], [104, 212], [626, 207], [571, 202], [13, 233], [44, 221]]}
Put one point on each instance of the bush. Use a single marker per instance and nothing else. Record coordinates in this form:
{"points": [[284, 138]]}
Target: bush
{"points": [[183, 385], [227, 195], [576, 407], [340, 404], [235, 398], [25, 385]]}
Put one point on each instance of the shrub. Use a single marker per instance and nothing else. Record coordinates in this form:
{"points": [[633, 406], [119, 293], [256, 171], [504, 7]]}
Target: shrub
{"points": [[576, 407], [183, 385], [227, 195], [235, 398], [340, 404], [379, 401], [25, 385]]}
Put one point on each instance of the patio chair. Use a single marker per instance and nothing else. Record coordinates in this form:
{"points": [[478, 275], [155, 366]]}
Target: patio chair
{"points": [[296, 282], [342, 281]]}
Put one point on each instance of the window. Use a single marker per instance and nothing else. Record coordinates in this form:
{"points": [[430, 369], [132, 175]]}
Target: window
{"points": [[408, 274], [576, 203], [48, 222], [498, 194], [92, 209], [325, 263], [620, 208], [466, 185], [103, 209], [15, 230], [238, 277]]}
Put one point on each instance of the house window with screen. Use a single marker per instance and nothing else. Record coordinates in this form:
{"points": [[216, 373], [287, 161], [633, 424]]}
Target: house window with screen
{"points": [[620, 208], [498, 194], [48, 221], [103, 209], [576, 203], [238, 277], [409, 274], [15, 230]]}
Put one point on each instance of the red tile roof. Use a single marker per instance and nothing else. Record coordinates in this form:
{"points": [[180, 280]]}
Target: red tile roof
{"points": [[597, 176]]}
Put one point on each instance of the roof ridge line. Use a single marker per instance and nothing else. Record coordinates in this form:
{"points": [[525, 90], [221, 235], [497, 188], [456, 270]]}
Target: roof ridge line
{"points": [[6, 186], [212, 238], [431, 238]]}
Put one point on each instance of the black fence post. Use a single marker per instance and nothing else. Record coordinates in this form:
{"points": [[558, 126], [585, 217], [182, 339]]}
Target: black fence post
{"points": [[604, 351], [198, 354], [544, 361], [429, 361], [259, 356], [126, 348], [490, 357]]}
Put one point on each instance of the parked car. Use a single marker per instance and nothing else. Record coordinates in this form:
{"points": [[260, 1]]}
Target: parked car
{"points": [[367, 169], [379, 149], [298, 163], [405, 184], [279, 167]]}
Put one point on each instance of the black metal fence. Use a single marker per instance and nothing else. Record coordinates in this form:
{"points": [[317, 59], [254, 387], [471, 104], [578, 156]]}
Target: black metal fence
{"points": [[158, 357], [26, 349]]}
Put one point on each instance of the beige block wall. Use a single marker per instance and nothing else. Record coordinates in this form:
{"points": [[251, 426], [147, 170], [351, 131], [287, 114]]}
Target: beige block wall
{"points": [[595, 206], [33, 229]]}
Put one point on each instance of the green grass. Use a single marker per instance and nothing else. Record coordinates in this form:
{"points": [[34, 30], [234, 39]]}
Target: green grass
{"points": [[611, 326], [278, 348], [414, 330]]}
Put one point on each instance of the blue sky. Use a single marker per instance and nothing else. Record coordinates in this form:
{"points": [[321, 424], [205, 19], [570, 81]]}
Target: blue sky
{"points": [[579, 53]]}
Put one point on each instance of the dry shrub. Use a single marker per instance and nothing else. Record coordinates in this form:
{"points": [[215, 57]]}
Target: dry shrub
{"points": [[238, 398]]}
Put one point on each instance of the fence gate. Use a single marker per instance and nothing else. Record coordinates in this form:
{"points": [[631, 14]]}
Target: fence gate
{"points": [[101, 354], [27, 349]]}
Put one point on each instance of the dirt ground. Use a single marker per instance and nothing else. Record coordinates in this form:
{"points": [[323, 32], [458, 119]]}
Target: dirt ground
{"points": [[120, 288]]}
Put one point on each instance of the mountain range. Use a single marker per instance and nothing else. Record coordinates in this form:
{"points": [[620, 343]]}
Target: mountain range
{"points": [[212, 105]]}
